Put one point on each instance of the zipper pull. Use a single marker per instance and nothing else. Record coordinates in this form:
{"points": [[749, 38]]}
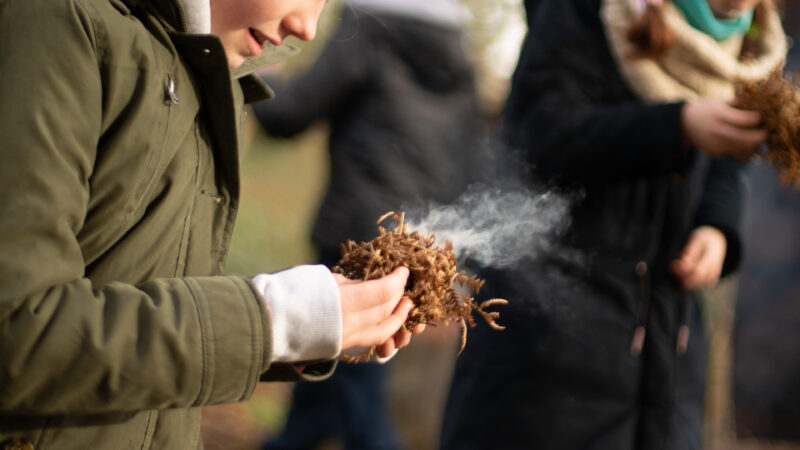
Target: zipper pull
{"points": [[638, 340], [170, 94], [683, 339], [218, 198]]}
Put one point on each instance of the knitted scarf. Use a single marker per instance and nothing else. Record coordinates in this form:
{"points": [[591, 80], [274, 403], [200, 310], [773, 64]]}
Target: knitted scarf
{"points": [[700, 15], [696, 65]]}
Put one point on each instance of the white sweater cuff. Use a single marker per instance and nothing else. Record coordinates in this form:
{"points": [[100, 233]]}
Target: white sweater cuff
{"points": [[357, 351], [305, 311]]}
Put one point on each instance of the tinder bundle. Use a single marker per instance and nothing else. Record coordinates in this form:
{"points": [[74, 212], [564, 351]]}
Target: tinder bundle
{"points": [[433, 280], [777, 98]]}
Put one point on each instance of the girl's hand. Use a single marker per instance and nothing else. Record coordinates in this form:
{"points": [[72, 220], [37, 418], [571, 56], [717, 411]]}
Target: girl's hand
{"points": [[700, 263], [718, 128], [373, 312]]}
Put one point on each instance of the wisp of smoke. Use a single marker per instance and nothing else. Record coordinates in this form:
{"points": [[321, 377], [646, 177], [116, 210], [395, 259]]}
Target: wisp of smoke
{"points": [[497, 227]]}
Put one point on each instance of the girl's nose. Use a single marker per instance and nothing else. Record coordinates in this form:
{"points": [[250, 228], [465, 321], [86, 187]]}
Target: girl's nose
{"points": [[304, 30], [303, 24]]}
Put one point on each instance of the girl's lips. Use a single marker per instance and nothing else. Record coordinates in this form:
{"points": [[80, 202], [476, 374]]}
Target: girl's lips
{"points": [[257, 40], [254, 44]]}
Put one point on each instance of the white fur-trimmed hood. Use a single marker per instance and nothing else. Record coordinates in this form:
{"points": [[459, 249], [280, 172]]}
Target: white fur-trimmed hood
{"points": [[445, 12], [448, 12], [198, 16]]}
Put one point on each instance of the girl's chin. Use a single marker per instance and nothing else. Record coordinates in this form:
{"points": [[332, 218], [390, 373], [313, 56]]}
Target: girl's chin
{"points": [[235, 60]]}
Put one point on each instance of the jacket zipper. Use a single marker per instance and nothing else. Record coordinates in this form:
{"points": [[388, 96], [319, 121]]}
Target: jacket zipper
{"points": [[683, 331], [170, 93], [637, 343]]}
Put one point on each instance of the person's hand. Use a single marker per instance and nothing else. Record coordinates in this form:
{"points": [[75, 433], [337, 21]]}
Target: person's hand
{"points": [[714, 126], [373, 312], [700, 263]]}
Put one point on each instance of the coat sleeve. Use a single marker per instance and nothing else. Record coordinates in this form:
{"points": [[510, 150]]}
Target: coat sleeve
{"points": [[721, 206], [335, 77], [68, 346], [570, 113]]}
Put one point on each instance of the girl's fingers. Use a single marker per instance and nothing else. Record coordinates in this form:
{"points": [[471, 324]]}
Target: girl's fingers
{"points": [[694, 280], [687, 261], [708, 270], [392, 324], [367, 303], [702, 278], [341, 279], [367, 318], [402, 338], [700, 264], [741, 118], [745, 139], [680, 268], [385, 349], [384, 292], [377, 333], [374, 312]]}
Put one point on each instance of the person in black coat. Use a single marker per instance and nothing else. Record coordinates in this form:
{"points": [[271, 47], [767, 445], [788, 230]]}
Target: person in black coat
{"points": [[596, 353], [397, 87], [766, 348]]}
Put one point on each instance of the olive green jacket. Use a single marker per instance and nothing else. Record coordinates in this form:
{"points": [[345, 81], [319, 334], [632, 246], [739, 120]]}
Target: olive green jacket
{"points": [[119, 184]]}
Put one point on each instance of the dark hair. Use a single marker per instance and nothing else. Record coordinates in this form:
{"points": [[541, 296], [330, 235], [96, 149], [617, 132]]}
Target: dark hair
{"points": [[649, 34], [750, 44], [651, 37]]}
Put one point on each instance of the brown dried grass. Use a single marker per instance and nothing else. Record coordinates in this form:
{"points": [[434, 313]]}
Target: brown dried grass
{"points": [[777, 98], [432, 280]]}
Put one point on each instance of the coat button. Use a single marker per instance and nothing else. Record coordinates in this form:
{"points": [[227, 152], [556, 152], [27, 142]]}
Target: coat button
{"points": [[16, 443], [641, 268]]}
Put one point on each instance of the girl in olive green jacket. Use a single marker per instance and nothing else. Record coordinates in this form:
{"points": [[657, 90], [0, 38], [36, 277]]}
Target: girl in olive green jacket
{"points": [[119, 128]]}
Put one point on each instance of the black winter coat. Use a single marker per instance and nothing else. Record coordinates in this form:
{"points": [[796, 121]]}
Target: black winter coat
{"points": [[406, 127], [564, 375]]}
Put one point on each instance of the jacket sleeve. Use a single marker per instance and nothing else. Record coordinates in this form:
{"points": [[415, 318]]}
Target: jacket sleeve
{"points": [[68, 346], [572, 115], [721, 206], [335, 77]]}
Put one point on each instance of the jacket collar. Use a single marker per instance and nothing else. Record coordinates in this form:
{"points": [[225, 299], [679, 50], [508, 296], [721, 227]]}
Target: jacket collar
{"points": [[174, 14]]}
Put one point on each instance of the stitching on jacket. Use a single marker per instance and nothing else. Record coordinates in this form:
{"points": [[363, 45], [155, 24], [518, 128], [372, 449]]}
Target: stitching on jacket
{"points": [[206, 335], [93, 29], [149, 431], [255, 336]]}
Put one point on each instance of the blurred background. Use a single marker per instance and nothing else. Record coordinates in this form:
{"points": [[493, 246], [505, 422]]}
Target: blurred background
{"points": [[753, 395]]}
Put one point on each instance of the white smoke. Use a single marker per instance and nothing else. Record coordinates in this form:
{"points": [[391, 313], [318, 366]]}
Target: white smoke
{"points": [[497, 227]]}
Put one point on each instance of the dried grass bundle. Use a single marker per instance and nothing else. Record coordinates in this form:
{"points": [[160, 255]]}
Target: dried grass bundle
{"points": [[431, 283], [777, 98]]}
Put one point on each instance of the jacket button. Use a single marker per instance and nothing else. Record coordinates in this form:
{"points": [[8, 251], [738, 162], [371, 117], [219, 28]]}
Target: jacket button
{"points": [[16, 443], [641, 268]]}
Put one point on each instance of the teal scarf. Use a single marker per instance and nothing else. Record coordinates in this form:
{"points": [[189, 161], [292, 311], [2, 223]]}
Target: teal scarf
{"points": [[700, 16]]}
